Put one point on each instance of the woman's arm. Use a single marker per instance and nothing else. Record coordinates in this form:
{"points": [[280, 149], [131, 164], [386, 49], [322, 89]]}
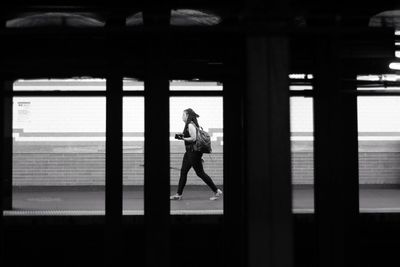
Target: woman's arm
{"points": [[192, 133]]}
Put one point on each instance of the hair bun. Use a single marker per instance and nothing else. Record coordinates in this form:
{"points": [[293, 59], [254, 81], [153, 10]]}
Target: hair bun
{"points": [[191, 112]]}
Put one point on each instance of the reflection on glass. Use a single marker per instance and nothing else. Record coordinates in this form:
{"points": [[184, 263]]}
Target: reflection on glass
{"points": [[394, 66], [58, 155], [301, 76], [300, 87], [135, 19], [76, 84], [56, 19], [382, 77], [302, 138], [379, 153], [192, 17], [132, 85], [195, 86], [133, 155], [378, 82], [196, 196]]}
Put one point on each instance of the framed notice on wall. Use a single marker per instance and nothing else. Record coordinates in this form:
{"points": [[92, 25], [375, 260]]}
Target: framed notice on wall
{"points": [[23, 111]]}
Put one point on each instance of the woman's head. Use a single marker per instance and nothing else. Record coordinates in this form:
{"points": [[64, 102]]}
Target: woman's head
{"points": [[190, 116]]}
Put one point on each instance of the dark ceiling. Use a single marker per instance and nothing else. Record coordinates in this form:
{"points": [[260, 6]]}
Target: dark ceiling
{"points": [[90, 37]]}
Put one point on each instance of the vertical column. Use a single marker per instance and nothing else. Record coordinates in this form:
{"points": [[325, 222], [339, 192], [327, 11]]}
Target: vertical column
{"points": [[2, 159], [5, 155], [234, 213], [113, 170], [114, 144], [268, 171], [6, 117], [7, 143], [336, 161], [157, 172]]}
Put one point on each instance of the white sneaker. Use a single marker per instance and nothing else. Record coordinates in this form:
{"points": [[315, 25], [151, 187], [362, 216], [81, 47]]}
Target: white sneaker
{"points": [[217, 195], [175, 197]]}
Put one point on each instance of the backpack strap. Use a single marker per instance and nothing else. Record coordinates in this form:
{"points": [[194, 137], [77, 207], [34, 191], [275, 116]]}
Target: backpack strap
{"points": [[196, 126], [197, 130]]}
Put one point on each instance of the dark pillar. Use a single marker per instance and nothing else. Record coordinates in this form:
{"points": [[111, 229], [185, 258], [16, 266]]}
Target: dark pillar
{"points": [[5, 155], [234, 186], [6, 117], [157, 172], [114, 159], [336, 160], [113, 171], [7, 144], [268, 174]]}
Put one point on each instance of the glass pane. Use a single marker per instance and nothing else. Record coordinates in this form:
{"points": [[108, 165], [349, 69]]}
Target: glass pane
{"points": [[195, 86], [302, 144], [76, 84], [379, 153], [300, 87], [56, 19], [192, 17], [133, 155], [58, 155], [301, 76], [199, 185], [378, 82], [132, 85]]}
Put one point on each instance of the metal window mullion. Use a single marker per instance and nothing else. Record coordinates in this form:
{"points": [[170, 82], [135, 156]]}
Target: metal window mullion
{"points": [[157, 157], [114, 143], [195, 93], [233, 176], [157, 172], [7, 124], [114, 173], [58, 93], [133, 93], [6, 117], [335, 161], [268, 178], [114, 148]]}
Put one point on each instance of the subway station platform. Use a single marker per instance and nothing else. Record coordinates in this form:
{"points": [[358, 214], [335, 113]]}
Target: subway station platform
{"points": [[91, 201]]}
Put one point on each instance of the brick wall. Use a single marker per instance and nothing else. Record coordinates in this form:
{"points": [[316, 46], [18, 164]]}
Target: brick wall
{"points": [[83, 163], [89, 168], [40, 162], [302, 168], [58, 168], [379, 162], [379, 167]]}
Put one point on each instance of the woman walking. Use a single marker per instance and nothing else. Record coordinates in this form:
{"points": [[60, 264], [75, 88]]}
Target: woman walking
{"points": [[192, 158]]}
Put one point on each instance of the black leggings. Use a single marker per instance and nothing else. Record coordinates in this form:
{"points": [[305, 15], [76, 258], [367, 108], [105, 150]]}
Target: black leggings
{"points": [[193, 159]]}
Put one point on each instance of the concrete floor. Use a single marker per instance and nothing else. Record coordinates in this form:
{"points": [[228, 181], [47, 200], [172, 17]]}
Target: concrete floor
{"points": [[90, 200]]}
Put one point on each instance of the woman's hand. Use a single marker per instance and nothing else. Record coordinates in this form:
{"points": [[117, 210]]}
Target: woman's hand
{"points": [[179, 136]]}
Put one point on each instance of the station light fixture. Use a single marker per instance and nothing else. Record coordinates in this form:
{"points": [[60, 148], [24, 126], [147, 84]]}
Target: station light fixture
{"points": [[394, 65]]}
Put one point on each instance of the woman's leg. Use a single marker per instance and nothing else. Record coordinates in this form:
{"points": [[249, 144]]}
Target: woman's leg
{"points": [[186, 165], [198, 167]]}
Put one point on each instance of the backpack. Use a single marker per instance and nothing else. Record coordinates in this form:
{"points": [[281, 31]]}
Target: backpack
{"points": [[203, 141]]}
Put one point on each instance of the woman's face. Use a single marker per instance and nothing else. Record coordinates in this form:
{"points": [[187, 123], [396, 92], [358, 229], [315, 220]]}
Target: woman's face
{"points": [[184, 116]]}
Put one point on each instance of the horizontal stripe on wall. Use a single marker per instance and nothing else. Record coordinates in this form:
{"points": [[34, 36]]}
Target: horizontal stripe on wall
{"points": [[40, 169]]}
